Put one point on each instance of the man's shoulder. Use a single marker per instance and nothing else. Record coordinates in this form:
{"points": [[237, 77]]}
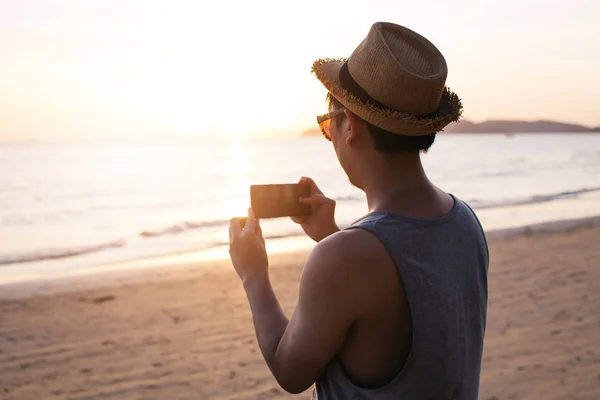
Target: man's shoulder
{"points": [[348, 253], [351, 245], [347, 268]]}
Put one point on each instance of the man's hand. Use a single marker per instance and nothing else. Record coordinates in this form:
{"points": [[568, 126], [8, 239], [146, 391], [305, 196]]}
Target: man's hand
{"points": [[321, 223], [247, 248]]}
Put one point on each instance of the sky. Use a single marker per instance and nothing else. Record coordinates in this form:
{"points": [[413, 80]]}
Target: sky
{"points": [[143, 68]]}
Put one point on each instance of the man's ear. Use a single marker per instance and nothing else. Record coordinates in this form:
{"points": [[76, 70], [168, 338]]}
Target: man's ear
{"points": [[356, 127]]}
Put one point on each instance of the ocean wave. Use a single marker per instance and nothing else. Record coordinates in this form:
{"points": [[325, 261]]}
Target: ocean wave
{"points": [[190, 225], [48, 254], [284, 235], [500, 173], [180, 228], [349, 198], [544, 198], [185, 226]]}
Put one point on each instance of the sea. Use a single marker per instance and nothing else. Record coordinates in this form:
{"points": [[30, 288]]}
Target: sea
{"points": [[79, 207]]}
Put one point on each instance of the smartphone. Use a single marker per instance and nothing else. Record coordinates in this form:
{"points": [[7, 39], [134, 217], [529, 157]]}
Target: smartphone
{"points": [[283, 200]]}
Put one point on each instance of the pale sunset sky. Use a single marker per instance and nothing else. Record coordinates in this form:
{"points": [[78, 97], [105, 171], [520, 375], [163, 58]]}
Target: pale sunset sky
{"points": [[129, 68]]}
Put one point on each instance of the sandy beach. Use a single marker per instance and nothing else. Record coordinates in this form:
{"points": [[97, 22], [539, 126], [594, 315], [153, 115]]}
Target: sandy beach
{"points": [[187, 333]]}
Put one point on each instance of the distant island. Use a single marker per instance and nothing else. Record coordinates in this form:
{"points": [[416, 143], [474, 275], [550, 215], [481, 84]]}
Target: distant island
{"points": [[541, 126], [507, 127]]}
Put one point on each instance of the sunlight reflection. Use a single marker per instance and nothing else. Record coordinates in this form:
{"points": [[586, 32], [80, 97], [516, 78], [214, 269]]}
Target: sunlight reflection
{"points": [[234, 199]]}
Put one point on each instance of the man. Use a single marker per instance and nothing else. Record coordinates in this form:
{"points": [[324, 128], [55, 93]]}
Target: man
{"points": [[393, 307]]}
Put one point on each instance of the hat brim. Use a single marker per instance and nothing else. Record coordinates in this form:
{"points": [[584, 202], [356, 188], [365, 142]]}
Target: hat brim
{"points": [[450, 109]]}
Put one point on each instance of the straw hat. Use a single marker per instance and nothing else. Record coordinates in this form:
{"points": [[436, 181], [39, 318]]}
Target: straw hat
{"points": [[395, 80]]}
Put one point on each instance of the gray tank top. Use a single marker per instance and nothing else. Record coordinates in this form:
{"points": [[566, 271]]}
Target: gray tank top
{"points": [[443, 263]]}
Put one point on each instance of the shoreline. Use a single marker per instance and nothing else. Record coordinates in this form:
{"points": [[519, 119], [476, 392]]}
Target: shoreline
{"points": [[564, 225], [504, 219], [155, 268]]}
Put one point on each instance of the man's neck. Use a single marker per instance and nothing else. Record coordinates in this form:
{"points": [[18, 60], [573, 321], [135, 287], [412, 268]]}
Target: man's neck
{"points": [[398, 184]]}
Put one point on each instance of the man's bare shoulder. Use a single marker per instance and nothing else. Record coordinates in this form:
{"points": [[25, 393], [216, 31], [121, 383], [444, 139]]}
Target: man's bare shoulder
{"points": [[349, 263], [352, 246]]}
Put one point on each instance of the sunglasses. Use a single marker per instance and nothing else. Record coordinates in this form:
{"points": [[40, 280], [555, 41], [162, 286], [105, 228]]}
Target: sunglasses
{"points": [[324, 122]]}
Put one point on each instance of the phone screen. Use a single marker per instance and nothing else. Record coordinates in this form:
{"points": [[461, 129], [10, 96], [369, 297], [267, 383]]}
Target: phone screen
{"points": [[272, 201]]}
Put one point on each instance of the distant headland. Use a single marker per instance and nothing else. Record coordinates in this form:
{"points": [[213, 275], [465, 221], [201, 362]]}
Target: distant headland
{"points": [[504, 126]]}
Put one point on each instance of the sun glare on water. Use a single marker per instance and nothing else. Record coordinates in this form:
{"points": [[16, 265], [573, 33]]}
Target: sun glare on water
{"points": [[235, 198]]}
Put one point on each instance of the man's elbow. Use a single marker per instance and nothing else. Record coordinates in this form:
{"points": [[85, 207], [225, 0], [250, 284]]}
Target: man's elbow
{"points": [[293, 384], [294, 388]]}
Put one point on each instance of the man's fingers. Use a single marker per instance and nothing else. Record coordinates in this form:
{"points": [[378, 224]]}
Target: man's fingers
{"points": [[235, 229], [251, 221], [314, 189], [299, 220], [257, 227], [315, 199]]}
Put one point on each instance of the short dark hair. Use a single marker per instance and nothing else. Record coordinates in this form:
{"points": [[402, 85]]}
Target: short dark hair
{"points": [[388, 142]]}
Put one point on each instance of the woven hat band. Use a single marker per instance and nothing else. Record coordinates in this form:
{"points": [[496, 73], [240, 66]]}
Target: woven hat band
{"points": [[348, 83]]}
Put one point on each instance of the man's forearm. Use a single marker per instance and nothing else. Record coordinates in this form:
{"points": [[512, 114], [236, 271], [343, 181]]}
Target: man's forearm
{"points": [[269, 320]]}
